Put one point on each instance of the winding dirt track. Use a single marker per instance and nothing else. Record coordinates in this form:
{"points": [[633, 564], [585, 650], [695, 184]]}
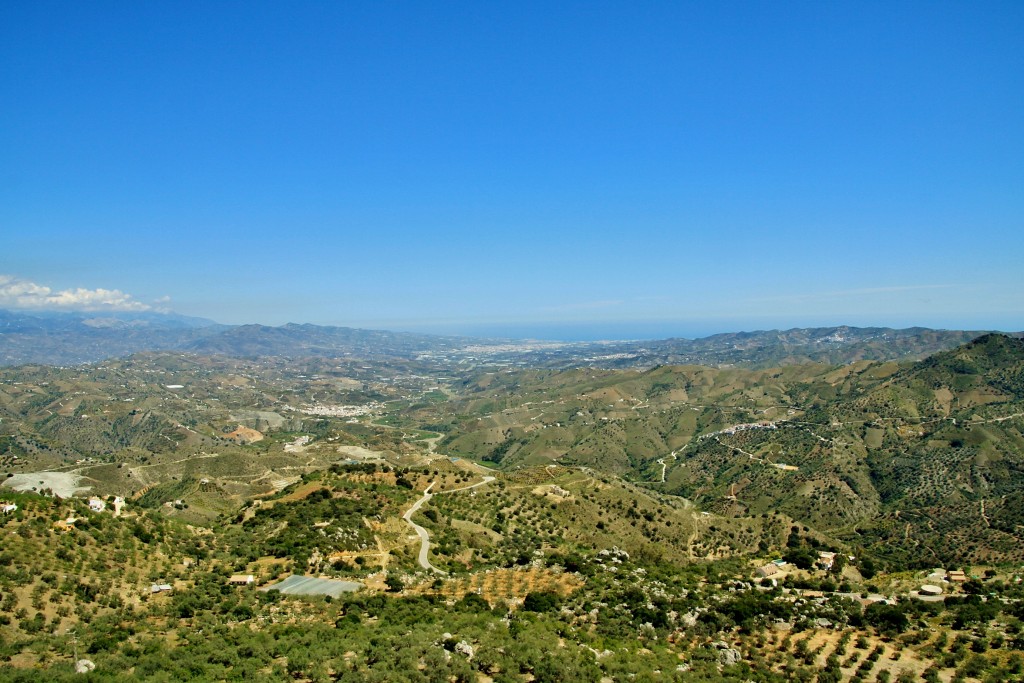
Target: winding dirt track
{"points": [[421, 532], [424, 556]]}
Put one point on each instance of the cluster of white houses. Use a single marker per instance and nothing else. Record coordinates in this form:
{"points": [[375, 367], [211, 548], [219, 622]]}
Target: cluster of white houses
{"points": [[235, 580], [96, 505], [764, 424], [749, 425], [825, 561]]}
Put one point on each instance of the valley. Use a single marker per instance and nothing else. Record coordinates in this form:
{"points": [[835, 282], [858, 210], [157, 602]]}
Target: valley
{"points": [[515, 521]]}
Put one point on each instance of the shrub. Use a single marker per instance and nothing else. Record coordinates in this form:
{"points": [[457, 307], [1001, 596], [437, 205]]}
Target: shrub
{"points": [[541, 601]]}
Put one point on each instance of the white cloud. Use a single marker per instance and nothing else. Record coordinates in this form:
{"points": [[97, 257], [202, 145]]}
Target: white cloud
{"points": [[160, 305], [18, 293]]}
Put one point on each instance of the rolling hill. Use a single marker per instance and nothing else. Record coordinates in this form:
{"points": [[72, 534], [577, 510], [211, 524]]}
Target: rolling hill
{"points": [[866, 451], [625, 525]]}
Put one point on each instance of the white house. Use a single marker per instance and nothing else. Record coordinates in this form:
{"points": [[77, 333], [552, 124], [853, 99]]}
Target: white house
{"points": [[97, 505], [9, 508], [826, 559]]}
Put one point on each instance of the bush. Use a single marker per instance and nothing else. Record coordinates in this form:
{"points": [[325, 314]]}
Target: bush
{"points": [[888, 619], [541, 601], [473, 603]]}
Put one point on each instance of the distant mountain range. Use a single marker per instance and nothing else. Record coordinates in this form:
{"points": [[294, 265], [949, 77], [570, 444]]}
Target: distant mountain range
{"points": [[75, 338]]}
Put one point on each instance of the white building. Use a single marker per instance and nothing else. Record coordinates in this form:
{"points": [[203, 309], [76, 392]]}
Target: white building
{"points": [[826, 559]]}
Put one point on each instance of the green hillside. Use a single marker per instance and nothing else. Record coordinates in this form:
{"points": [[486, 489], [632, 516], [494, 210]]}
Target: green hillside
{"points": [[839, 448], [583, 523], [617, 599]]}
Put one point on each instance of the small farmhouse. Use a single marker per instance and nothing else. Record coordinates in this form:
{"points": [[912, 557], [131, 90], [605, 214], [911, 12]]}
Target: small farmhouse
{"points": [[826, 559]]}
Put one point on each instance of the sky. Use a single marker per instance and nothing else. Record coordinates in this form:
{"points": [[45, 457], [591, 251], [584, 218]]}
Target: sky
{"points": [[587, 169]]}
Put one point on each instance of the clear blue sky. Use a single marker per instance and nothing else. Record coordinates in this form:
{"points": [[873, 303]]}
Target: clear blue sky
{"points": [[680, 166]]}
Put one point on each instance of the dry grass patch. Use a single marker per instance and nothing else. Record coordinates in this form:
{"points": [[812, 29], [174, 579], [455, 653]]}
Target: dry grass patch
{"points": [[301, 492], [504, 586]]}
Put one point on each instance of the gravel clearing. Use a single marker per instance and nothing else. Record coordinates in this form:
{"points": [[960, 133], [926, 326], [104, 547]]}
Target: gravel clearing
{"points": [[63, 484]]}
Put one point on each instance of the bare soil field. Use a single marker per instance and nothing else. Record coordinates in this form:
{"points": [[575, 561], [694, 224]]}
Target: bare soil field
{"points": [[63, 484]]}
